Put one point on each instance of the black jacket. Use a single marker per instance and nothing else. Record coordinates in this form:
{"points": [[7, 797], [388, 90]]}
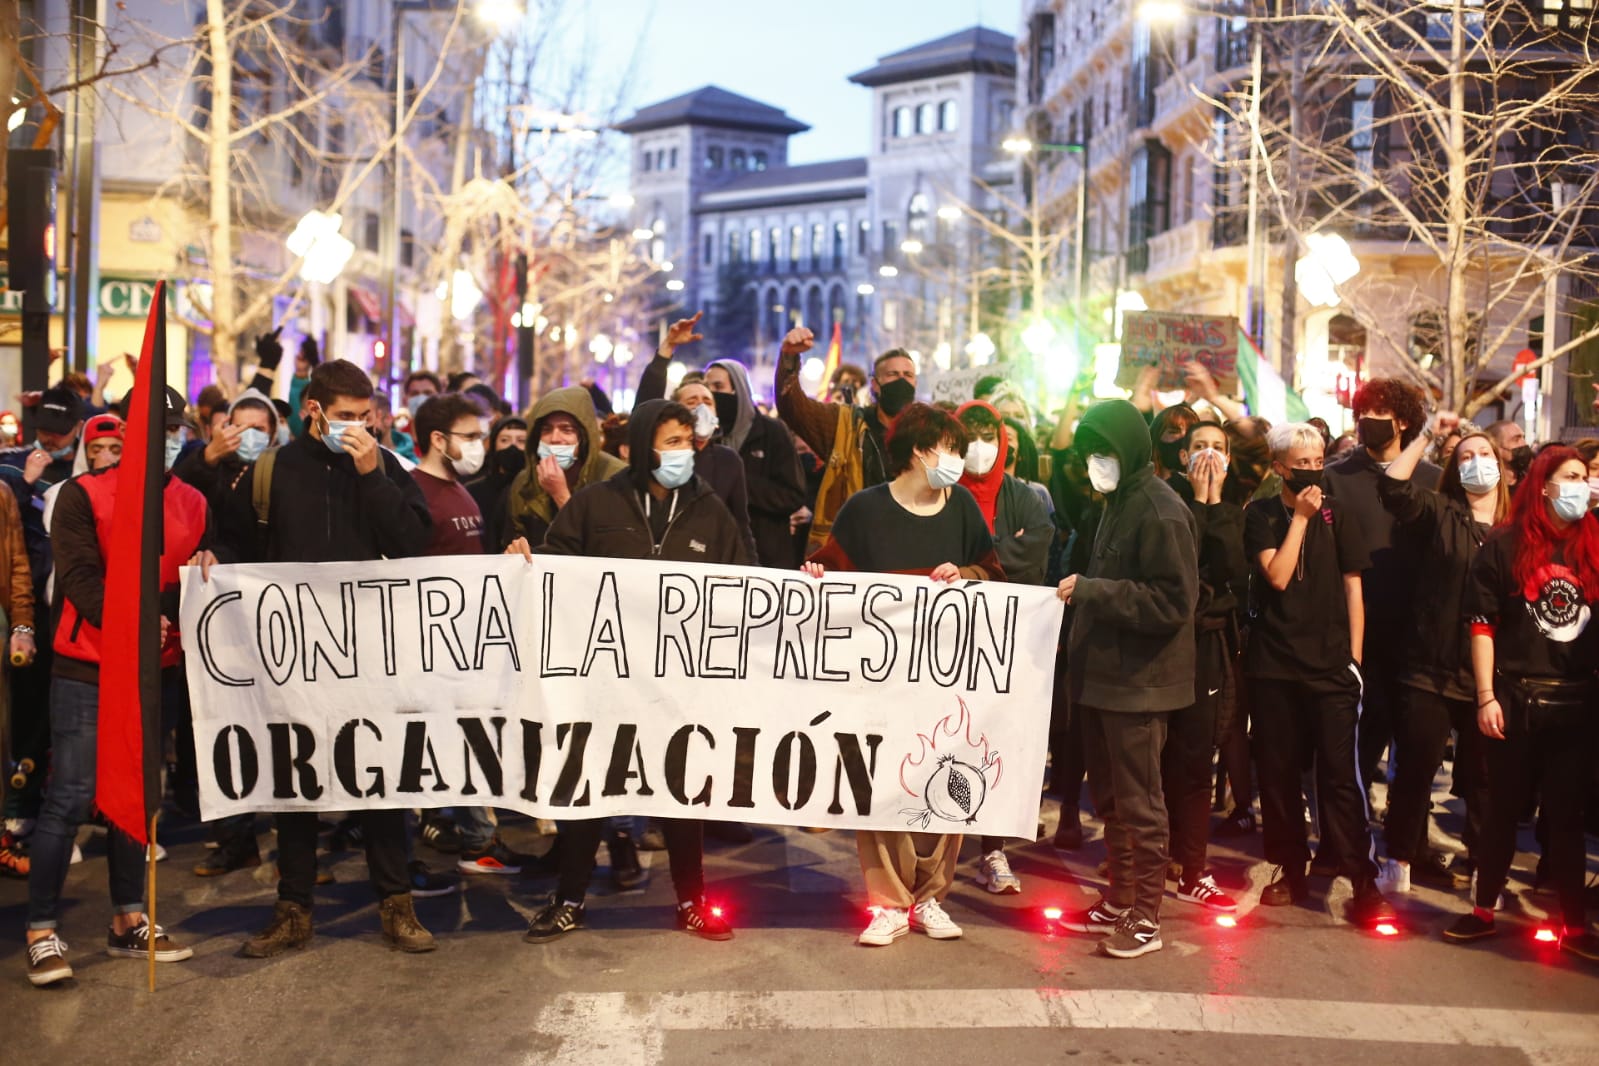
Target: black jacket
{"points": [[1132, 638], [608, 520], [1223, 569], [1436, 645], [1018, 509], [1389, 584], [322, 511]]}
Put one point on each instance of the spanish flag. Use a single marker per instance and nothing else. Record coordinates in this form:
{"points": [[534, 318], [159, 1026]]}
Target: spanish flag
{"points": [[835, 355], [128, 765]]}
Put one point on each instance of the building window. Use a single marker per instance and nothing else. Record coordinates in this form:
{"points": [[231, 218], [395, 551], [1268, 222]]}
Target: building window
{"points": [[758, 161], [890, 242], [926, 118], [840, 238], [1363, 124], [774, 248], [739, 161], [796, 238], [708, 257], [903, 122], [1005, 114], [863, 239], [649, 162], [658, 244], [916, 217], [755, 245], [732, 248], [949, 116], [1041, 54], [672, 159], [818, 238], [713, 159], [660, 159]]}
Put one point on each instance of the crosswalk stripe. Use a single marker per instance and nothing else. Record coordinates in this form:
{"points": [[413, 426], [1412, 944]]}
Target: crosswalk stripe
{"points": [[616, 1028]]}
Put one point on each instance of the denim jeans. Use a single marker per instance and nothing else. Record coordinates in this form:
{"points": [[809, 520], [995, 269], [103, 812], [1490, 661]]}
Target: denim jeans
{"points": [[477, 829], [74, 725]]}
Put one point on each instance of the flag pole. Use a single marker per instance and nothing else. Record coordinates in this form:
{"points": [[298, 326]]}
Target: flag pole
{"points": [[150, 899]]}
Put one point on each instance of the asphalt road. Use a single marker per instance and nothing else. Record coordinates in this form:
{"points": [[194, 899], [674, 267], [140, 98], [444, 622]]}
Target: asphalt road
{"points": [[1297, 985]]}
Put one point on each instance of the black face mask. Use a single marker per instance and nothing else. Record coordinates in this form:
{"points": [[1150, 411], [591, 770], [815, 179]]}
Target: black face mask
{"points": [[1376, 433], [509, 462], [895, 396], [726, 409], [1171, 454], [1300, 480], [1521, 461]]}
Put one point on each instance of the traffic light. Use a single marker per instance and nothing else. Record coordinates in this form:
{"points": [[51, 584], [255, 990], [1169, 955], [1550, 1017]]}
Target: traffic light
{"points": [[31, 242]]}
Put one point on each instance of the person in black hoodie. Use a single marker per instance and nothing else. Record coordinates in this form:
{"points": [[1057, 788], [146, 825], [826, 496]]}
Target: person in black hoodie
{"points": [[507, 458], [771, 467], [1191, 737], [1436, 685], [332, 495], [1131, 663], [657, 508]]}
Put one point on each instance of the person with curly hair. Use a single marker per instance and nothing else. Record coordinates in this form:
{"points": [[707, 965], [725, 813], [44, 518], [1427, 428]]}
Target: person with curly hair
{"points": [[1389, 414]]}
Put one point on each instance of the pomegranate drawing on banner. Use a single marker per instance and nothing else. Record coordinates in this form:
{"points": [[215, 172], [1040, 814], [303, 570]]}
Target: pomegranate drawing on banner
{"points": [[960, 778]]}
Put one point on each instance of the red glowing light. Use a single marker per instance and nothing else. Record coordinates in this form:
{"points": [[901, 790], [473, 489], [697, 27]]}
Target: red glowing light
{"points": [[1387, 929], [1545, 935], [1227, 921], [716, 912], [1052, 913]]}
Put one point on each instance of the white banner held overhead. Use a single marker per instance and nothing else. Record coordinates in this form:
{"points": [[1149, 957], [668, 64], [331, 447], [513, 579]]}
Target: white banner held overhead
{"points": [[574, 688]]}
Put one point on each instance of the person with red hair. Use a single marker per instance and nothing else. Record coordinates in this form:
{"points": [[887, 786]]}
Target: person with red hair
{"points": [[1533, 652]]}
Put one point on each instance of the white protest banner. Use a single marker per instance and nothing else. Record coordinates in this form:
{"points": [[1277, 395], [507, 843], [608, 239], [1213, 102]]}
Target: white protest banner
{"points": [[580, 688]]}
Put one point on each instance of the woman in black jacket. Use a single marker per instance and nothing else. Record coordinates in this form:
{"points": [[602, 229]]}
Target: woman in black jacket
{"points": [[1534, 585], [1435, 680], [655, 509]]}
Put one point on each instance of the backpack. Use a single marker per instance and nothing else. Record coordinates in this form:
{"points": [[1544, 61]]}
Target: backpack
{"points": [[261, 486]]}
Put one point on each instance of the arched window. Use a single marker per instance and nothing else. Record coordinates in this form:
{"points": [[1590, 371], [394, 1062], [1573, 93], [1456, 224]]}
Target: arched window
{"points": [[903, 122], [649, 161], [926, 118], [738, 160], [758, 161], [949, 116], [813, 313]]}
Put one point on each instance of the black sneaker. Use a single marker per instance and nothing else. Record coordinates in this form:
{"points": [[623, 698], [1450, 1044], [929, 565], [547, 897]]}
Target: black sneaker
{"points": [[1433, 872], [1237, 824], [1288, 887], [1370, 907], [1324, 864], [554, 921], [626, 871], [703, 920], [1133, 936], [441, 834], [135, 944], [1100, 918], [494, 859], [1469, 927], [347, 836], [425, 883], [47, 961], [1068, 835], [221, 861], [1583, 945]]}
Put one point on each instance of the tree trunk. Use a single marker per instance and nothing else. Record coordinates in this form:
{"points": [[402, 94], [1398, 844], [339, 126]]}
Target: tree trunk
{"points": [[1458, 365], [219, 146]]}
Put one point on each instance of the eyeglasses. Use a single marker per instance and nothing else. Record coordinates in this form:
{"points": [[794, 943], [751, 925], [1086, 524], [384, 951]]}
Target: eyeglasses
{"points": [[478, 436]]}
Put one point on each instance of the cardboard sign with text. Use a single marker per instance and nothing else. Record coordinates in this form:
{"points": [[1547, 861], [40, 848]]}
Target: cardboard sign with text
{"points": [[1171, 341]]}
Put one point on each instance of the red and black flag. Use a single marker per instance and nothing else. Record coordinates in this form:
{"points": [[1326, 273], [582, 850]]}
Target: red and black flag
{"points": [[129, 764]]}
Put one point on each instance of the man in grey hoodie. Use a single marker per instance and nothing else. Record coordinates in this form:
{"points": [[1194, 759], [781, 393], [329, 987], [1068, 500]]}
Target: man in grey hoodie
{"points": [[1130, 662]]}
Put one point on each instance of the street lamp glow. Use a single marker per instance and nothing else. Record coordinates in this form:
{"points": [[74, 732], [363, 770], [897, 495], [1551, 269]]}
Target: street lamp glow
{"points": [[600, 347], [1037, 336], [812, 370], [1017, 145], [322, 249], [888, 271], [942, 355], [622, 200], [463, 293], [1164, 12], [675, 285], [949, 213], [666, 267], [865, 288], [498, 13], [643, 233], [912, 246], [623, 354], [980, 349], [18, 117], [1326, 264]]}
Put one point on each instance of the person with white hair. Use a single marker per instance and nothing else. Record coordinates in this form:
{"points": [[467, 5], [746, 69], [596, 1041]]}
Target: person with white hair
{"points": [[1302, 667]]}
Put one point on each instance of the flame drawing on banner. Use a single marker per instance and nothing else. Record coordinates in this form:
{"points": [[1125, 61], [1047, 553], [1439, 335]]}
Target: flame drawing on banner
{"points": [[955, 789]]}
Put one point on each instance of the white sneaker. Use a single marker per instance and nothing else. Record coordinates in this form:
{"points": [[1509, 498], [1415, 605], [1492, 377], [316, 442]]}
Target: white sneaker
{"points": [[928, 917], [888, 925], [156, 853], [20, 828], [994, 874], [1393, 876]]}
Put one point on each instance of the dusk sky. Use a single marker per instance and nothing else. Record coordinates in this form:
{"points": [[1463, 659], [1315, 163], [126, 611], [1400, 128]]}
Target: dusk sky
{"points": [[795, 55]]}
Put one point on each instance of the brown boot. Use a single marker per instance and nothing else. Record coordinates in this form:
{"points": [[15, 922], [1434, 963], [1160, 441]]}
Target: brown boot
{"points": [[400, 927], [290, 928]]}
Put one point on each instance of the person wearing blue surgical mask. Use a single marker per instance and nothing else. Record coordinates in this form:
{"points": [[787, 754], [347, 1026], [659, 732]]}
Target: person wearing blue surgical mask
{"points": [[251, 428], [1437, 688]]}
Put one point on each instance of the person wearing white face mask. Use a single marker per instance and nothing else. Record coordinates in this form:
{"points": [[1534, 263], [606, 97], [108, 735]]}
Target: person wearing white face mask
{"points": [[1530, 598], [1130, 663], [655, 509], [921, 521], [1436, 693]]}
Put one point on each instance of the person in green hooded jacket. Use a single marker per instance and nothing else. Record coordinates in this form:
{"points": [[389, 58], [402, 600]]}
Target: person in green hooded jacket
{"points": [[564, 454]]}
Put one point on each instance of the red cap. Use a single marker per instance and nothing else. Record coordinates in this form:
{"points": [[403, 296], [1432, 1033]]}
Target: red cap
{"points": [[99, 426]]}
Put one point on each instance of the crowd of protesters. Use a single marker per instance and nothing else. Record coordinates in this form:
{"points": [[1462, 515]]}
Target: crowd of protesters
{"points": [[1259, 618]]}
